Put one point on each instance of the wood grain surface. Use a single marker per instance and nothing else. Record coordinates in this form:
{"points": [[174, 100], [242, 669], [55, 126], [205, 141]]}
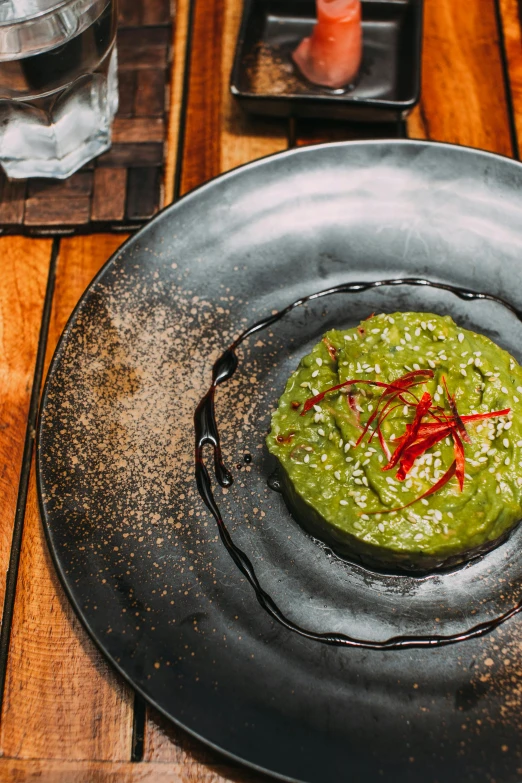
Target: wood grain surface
{"points": [[66, 717], [463, 99], [25, 266], [61, 699], [511, 20]]}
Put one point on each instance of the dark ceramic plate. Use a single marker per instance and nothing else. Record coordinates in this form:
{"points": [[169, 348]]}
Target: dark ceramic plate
{"points": [[139, 554], [265, 80]]}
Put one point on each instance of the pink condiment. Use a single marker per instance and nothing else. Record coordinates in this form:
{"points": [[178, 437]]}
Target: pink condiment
{"points": [[332, 55]]}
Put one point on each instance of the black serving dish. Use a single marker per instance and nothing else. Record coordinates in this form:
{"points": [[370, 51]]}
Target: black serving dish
{"points": [[265, 80], [136, 548]]}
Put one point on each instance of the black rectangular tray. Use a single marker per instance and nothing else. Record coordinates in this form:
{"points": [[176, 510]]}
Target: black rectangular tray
{"points": [[265, 80]]}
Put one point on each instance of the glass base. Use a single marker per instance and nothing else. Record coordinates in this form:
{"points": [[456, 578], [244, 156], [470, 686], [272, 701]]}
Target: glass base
{"points": [[55, 135]]}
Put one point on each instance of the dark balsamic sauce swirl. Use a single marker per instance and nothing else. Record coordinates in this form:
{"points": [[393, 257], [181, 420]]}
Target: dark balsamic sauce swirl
{"points": [[207, 434]]}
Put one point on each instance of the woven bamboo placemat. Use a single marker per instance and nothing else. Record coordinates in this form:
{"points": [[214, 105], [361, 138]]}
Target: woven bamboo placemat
{"points": [[123, 188]]}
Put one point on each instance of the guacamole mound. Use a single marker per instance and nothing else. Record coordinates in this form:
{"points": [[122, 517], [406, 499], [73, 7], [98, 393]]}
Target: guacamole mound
{"points": [[339, 492]]}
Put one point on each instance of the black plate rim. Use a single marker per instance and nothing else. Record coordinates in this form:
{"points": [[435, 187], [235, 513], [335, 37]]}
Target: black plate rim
{"points": [[56, 356]]}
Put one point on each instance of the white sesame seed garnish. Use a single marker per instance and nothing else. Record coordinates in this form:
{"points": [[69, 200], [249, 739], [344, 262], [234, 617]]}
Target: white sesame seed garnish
{"points": [[431, 364], [324, 457], [504, 390], [321, 431], [347, 337], [377, 369], [347, 447], [343, 502], [399, 348], [328, 467], [505, 443], [461, 337], [418, 537], [519, 389], [391, 320], [317, 408], [464, 373], [337, 475], [417, 332], [507, 461], [508, 425], [315, 373], [307, 458], [305, 385], [319, 361]]}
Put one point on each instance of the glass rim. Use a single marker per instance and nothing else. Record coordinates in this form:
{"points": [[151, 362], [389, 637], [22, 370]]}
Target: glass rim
{"points": [[53, 7]]}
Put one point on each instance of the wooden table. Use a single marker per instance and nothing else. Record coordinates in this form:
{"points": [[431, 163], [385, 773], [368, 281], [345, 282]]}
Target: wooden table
{"points": [[66, 716]]}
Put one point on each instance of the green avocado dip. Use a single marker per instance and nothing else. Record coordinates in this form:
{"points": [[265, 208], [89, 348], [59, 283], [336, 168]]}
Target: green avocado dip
{"points": [[457, 498]]}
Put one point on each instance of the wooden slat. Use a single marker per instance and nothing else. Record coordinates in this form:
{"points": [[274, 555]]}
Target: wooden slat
{"points": [[42, 771], [463, 97], [218, 136], [511, 19], [110, 190], [176, 96], [243, 138], [25, 265], [12, 200], [61, 700]]}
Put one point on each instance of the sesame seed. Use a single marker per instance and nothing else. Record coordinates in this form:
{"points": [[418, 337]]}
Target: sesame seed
{"points": [[504, 390], [358, 473], [365, 481], [337, 475], [319, 361], [417, 332], [431, 363], [365, 516], [505, 443], [381, 527], [461, 337], [317, 408], [347, 337], [508, 425], [407, 336], [315, 373], [399, 348], [377, 369], [519, 389], [307, 458], [391, 320], [507, 461], [328, 467], [305, 385], [343, 502], [424, 502], [464, 373], [341, 441], [418, 537], [405, 410], [321, 431], [347, 447]]}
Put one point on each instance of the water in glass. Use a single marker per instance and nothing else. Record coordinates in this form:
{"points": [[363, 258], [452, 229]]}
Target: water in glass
{"points": [[58, 84]]}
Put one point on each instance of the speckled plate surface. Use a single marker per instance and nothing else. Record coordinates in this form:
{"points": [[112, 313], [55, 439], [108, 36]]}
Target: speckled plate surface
{"points": [[139, 554]]}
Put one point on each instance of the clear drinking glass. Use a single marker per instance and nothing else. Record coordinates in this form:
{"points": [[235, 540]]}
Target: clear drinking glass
{"points": [[58, 84]]}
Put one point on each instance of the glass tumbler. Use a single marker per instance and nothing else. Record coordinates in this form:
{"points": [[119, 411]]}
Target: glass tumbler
{"points": [[58, 84]]}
